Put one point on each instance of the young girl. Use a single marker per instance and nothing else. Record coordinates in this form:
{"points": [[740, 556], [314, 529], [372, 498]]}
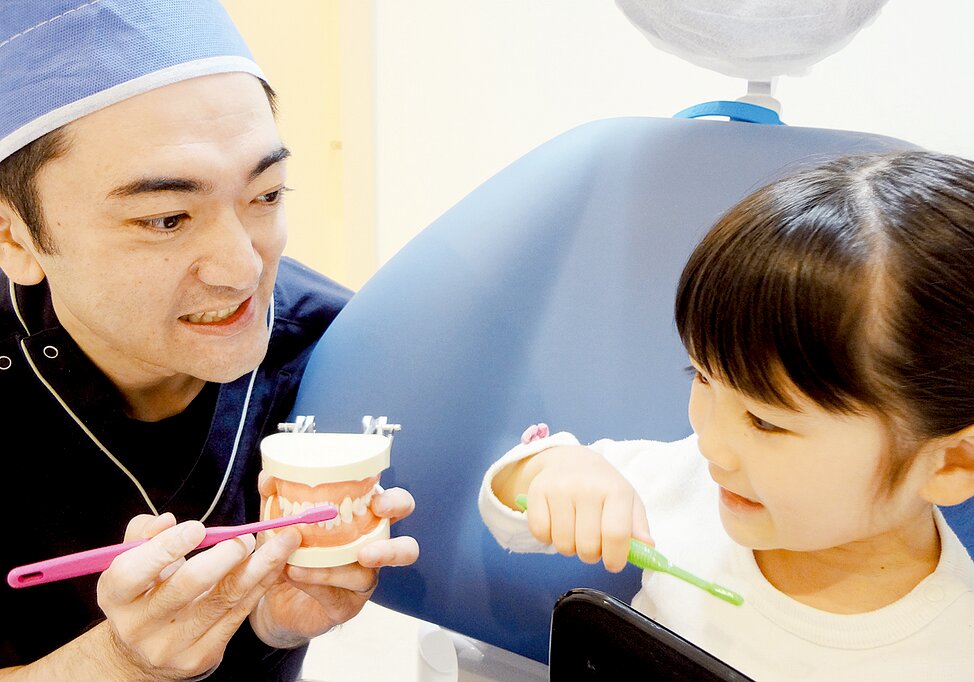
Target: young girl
{"points": [[829, 320]]}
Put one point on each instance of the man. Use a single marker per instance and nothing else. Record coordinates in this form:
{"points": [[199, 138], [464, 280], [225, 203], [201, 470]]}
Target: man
{"points": [[150, 336]]}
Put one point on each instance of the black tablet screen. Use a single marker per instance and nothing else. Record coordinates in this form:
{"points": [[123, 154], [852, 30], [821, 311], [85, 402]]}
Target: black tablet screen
{"points": [[594, 636]]}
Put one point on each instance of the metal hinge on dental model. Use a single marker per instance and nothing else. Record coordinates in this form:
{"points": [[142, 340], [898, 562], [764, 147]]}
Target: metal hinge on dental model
{"points": [[379, 425], [301, 424], [370, 425]]}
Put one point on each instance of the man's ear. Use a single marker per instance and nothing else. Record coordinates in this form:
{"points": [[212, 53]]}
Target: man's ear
{"points": [[953, 481], [16, 257]]}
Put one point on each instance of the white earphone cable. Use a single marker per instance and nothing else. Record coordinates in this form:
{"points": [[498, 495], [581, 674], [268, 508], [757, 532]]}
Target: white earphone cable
{"points": [[101, 446]]}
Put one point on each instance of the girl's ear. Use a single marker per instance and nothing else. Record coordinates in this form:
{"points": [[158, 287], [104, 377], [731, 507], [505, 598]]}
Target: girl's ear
{"points": [[953, 482], [16, 258]]}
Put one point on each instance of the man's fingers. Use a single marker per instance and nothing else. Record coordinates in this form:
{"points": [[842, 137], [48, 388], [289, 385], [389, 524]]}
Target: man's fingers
{"points": [[138, 569], [266, 484], [394, 504], [400, 551], [199, 575], [351, 577], [230, 601], [145, 526], [135, 530]]}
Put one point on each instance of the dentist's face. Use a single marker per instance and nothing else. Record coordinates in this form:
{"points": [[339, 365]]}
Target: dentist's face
{"points": [[167, 230]]}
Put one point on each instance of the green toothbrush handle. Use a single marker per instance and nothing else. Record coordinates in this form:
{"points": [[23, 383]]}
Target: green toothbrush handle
{"points": [[650, 558]]}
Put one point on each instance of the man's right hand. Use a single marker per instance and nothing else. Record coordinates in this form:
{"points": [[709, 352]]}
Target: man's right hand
{"points": [[170, 617]]}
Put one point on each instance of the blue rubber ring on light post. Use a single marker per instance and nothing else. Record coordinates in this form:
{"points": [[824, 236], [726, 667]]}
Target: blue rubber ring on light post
{"points": [[735, 111]]}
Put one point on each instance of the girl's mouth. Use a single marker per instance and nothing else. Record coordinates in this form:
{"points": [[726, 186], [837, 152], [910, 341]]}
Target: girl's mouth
{"points": [[737, 502]]}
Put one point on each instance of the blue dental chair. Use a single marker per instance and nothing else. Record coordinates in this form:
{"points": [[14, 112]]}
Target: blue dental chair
{"points": [[545, 295]]}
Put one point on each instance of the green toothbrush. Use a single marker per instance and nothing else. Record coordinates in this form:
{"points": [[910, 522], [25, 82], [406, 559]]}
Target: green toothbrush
{"points": [[649, 558]]}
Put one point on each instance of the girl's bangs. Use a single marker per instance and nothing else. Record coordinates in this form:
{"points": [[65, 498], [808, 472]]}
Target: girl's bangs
{"points": [[773, 299]]}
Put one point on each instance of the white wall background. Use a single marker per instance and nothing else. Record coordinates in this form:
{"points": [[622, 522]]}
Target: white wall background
{"points": [[464, 87]]}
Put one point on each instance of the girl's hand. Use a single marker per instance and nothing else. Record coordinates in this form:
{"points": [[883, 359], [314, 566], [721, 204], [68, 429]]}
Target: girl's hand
{"points": [[582, 505]]}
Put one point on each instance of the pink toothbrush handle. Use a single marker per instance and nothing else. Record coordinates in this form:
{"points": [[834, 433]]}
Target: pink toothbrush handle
{"points": [[97, 560], [68, 566]]}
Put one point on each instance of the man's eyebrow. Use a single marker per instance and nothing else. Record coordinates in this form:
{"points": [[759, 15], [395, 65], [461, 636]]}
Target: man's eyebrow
{"points": [[269, 160], [167, 184], [162, 184]]}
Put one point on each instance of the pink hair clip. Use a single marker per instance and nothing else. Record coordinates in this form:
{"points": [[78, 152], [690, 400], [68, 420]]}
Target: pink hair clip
{"points": [[534, 432]]}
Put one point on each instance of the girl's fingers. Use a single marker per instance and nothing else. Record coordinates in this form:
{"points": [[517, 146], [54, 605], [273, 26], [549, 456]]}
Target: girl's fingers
{"points": [[640, 524], [562, 511], [588, 528], [616, 531], [539, 516]]}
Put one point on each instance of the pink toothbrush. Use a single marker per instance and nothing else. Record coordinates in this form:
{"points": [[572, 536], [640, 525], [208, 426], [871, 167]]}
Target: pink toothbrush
{"points": [[97, 560]]}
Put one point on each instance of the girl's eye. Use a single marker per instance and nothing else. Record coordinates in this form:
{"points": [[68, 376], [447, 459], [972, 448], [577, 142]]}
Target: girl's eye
{"points": [[762, 425], [696, 375], [168, 223]]}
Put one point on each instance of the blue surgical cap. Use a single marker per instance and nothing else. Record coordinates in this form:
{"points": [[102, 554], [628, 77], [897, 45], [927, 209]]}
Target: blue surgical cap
{"points": [[63, 59]]}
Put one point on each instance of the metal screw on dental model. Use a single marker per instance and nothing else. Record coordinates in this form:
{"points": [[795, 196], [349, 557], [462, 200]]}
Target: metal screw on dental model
{"points": [[301, 424]]}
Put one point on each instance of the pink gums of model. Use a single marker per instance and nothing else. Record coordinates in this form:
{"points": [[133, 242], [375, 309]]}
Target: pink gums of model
{"points": [[342, 469]]}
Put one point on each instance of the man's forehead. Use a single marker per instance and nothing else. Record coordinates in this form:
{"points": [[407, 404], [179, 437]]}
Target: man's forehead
{"points": [[220, 115], [186, 104]]}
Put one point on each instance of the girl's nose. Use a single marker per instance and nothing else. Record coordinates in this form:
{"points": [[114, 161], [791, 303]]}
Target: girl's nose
{"points": [[716, 449], [708, 416]]}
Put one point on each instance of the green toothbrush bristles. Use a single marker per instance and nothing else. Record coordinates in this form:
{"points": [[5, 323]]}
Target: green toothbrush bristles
{"points": [[727, 595], [650, 558]]}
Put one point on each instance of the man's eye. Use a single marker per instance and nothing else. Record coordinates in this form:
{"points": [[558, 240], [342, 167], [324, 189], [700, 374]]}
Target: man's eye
{"points": [[762, 425], [168, 223], [271, 198]]}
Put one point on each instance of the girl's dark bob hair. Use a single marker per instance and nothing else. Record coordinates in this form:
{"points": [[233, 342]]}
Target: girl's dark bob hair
{"points": [[854, 282]]}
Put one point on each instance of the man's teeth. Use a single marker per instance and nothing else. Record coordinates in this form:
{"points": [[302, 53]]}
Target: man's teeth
{"points": [[348, 509], [212, 315]]}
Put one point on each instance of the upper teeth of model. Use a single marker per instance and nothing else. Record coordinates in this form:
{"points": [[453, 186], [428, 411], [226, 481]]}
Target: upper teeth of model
{"points": [[347, 508], [212, 315]]}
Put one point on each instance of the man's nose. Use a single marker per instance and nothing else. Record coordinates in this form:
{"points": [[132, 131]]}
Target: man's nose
{"points": [[229, 258]]}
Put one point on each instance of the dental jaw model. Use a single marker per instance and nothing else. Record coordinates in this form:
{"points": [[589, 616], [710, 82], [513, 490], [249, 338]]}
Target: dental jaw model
{"points": [[311, 469]]}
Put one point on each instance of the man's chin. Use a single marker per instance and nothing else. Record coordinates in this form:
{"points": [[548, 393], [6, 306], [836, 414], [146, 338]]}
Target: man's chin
{"points": [[228, 370]]}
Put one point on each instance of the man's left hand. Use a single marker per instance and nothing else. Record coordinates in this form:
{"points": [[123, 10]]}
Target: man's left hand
{"points": [[307, 602]]}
